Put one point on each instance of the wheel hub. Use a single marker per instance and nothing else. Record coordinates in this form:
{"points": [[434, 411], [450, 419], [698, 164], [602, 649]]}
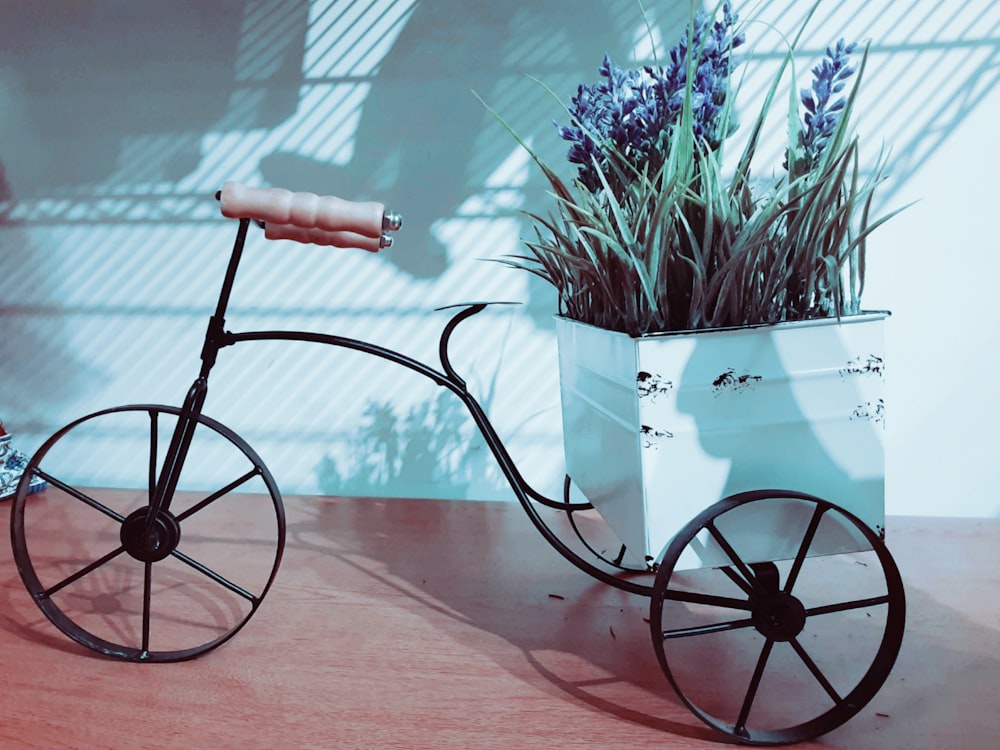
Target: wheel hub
{"points": [[779, 616], [150, 542]]}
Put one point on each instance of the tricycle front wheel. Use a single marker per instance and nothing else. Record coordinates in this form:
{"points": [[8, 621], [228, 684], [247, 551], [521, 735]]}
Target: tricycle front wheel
{"points": [[776, 651], [135, 582]]}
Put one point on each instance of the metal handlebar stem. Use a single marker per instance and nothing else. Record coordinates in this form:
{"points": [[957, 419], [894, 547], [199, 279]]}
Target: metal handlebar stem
{"points": [[163, 491]]}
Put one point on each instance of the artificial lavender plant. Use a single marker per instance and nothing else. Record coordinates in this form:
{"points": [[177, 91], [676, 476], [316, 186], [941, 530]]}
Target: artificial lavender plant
{"points": [[652, 234]]}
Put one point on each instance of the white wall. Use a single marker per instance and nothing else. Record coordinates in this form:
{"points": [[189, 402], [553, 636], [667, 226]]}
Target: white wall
{"points": [[118, 121]]}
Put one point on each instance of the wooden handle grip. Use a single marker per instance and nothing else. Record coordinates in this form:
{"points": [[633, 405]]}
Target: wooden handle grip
{"points": [[322, 237], [306, 211]]}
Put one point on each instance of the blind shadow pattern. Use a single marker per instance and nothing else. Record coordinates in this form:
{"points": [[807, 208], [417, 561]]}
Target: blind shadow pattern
{"points": [[119, 121]]}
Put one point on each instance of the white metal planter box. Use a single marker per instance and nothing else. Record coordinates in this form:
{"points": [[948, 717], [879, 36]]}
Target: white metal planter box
{"points": [[659, 427]]}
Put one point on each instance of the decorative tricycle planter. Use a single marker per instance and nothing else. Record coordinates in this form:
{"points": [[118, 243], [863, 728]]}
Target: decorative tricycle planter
{"points": [[657, 428], [741, 566]]}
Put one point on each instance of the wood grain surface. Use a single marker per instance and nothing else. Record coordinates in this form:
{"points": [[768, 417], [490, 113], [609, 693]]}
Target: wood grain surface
{"points": [[436, 624]]}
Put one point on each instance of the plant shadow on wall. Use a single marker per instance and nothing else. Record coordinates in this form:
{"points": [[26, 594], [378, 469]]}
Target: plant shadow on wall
{"points": [[422, 143], [426, 453], [435, 450]]}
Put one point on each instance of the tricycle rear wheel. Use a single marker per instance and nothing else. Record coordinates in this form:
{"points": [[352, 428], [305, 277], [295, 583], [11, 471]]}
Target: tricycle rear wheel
{"points": [[776, 651]]}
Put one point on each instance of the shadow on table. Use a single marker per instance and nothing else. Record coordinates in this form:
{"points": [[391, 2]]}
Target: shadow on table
{"points": [[478, 564]]}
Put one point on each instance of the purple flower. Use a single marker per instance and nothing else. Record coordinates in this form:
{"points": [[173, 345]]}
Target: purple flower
{"points": [[822, 109], [631, 114]]}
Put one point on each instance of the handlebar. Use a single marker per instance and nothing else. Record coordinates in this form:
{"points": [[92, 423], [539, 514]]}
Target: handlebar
{"points": [[307, 217], [321, 237]]}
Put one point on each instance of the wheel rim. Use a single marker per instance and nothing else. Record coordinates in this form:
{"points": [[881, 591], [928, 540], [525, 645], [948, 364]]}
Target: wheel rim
{"points": [[131, 583], [777, 651]]}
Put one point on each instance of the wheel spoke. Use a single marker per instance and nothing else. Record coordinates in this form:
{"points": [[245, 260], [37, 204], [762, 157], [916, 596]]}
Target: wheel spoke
{"points": [[221, 580], [704, 629], [807, 539], [82, 572], [693, 597], [83, 498], [741, 723], [147, 596], [728, 548], [737, 579], [815, 670], [154, 420], [845, 606], [219, 493]]}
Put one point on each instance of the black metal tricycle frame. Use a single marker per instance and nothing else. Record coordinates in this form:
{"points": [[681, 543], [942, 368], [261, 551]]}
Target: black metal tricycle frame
{"points": [[767, 607]]}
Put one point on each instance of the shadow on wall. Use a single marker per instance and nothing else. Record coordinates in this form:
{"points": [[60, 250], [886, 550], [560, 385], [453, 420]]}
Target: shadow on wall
{"points": [[431, 452], [427, 453], [782, 425], [99, 98], [113, 98], [100, 91], [107, 91], [143, 106], [425, 144]]}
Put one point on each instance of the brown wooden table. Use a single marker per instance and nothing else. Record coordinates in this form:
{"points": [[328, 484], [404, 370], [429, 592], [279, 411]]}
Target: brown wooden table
{"points": [[435, 624]]}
